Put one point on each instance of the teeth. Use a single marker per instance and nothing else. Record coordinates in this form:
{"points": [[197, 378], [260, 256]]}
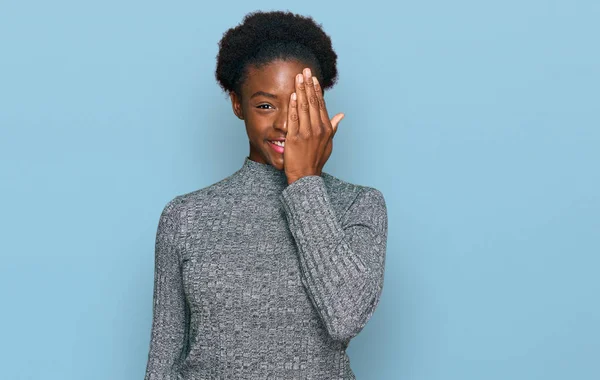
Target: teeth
{"points": [[280, 143]]}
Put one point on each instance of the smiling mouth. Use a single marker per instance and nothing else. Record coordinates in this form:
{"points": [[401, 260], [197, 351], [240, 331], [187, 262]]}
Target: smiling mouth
{"points": [[278, 146], [278, 143]]}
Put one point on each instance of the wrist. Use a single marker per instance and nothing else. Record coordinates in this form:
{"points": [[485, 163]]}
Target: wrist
{"points": [[293, 178]]}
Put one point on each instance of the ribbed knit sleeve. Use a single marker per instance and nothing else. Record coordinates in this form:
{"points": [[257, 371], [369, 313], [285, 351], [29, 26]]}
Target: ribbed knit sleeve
{"points": [[341, 261], [170, 319]]}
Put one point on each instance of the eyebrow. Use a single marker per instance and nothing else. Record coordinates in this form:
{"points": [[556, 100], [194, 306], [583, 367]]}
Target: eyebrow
{"points": [[259, 93]]}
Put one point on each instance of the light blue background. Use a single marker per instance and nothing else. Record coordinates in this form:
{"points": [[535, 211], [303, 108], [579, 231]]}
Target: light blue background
{"points": [[479, 122]]}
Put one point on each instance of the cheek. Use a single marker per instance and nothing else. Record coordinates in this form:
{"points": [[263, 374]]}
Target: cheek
{"points": [[258, 124], [262, 119]]}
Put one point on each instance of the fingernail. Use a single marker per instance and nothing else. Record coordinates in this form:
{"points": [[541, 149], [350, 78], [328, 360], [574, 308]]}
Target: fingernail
{"points": [[300, 78], [307, 72], [315, 80], [294, 96]]}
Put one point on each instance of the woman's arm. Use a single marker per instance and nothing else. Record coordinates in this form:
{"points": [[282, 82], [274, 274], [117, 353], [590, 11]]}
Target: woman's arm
{"points": [[170, 317], [342, 262]]}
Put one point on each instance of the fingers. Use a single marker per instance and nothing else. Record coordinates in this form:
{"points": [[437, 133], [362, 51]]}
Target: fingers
{"points": [[321, 99], [308, 112], [316, 124], [335, 121], [323, 109], [292, 116], [302, 106]]}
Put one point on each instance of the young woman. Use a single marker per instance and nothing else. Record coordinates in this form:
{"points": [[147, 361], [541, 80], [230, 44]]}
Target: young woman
{"points": [[268, 273]]}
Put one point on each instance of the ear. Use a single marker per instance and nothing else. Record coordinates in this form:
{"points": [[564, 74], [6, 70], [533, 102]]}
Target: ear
{"points": [[236, 105]]}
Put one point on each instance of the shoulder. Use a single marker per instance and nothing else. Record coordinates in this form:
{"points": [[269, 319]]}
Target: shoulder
{"points": [[348, 193], [183, 203], [362, 205]]}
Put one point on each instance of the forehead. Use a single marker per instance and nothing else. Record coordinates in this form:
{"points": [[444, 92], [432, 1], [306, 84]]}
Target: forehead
{"points": [[276, 76]]}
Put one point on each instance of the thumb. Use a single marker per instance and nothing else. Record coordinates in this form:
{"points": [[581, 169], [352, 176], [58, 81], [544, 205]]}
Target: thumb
{"points": [[335, 121]]}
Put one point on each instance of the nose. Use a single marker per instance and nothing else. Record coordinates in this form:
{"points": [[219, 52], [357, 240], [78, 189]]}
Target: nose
{"points": [[281, 121]]}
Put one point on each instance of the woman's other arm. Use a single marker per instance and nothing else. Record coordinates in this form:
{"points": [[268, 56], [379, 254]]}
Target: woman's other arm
{"points": [[170, 316]]}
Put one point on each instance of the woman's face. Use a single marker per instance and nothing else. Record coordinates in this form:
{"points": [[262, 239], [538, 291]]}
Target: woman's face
{"points": [[264, 106]]}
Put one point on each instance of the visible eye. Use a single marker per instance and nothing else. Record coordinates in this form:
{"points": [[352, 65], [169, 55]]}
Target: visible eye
{"points": [[260, 106]]}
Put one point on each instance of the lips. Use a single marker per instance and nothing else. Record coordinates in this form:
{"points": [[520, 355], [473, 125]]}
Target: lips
{"points": [[277, 148]]}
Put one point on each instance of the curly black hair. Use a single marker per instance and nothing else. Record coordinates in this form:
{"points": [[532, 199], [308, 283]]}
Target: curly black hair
{"points": [[266, 36]]}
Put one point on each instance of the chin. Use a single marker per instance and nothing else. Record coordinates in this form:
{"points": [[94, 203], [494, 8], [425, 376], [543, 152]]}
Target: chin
{"points": [[277, 163]]}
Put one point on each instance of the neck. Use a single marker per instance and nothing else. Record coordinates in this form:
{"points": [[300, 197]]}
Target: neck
{"points": [[262, 177]]}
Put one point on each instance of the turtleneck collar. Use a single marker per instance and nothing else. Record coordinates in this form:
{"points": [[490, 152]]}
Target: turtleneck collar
{"points": [[262, 177]]}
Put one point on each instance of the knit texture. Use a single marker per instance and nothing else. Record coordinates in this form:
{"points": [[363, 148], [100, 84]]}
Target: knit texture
{"points": [[258, 279]]}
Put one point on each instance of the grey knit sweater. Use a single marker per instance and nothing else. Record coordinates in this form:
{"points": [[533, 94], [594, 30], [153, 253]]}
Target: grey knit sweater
{"points": [[258, 279]]}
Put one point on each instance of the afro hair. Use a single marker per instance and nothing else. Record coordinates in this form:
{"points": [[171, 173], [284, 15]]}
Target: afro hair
{"points": [[263, 37]]}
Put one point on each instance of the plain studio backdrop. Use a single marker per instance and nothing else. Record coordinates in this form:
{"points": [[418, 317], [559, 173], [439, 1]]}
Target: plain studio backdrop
{"points": [[479, 122]]}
